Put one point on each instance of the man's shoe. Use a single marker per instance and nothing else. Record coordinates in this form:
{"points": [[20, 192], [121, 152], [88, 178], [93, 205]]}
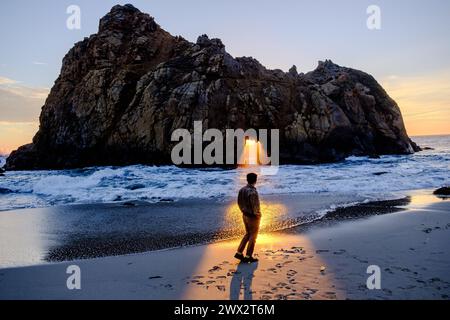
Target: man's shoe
{"points": [[239, 256], [250, 260]]}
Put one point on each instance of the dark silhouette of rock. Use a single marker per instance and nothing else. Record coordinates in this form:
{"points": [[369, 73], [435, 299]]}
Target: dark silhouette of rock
{"points": [[136, 186], [293, 71], [123, 91], [380, 173], [444, 191]]}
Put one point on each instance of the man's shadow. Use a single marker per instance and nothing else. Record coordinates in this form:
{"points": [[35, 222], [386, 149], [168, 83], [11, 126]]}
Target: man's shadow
{"points": [[243, 278]]}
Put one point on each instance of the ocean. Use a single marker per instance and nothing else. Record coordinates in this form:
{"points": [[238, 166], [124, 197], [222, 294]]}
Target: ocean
{"points": [[361, 176]]}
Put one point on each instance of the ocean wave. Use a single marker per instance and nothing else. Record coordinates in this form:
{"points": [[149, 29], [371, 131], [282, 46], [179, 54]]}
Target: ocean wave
{"points": [[361, 175]]}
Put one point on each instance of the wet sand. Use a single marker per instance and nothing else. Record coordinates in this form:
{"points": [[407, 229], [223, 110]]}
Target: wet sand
{"points": [[326, 260], [61, 233]]}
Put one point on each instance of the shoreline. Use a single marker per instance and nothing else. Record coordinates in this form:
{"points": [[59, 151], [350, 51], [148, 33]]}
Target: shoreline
{"points": [[88, 231], [69, 241], [411, 246]]}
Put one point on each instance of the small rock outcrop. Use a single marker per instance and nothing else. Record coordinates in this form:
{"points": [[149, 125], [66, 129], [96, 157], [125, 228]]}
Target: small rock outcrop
{"points": [[444, 191], [123, 91]]}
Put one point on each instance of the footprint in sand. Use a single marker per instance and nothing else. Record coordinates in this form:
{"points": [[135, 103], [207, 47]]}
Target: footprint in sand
{"points": [[330, 295], [306, 295], [215, 268], [311, 291], [291, 273], [388, 270], [281, 284]]}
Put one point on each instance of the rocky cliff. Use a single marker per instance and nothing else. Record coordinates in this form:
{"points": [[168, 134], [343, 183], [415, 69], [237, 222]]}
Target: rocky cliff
{"points": [[123, 91]]}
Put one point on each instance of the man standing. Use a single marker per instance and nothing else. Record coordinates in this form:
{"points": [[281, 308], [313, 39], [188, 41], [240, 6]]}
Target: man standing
{"points": [[248, 201]]}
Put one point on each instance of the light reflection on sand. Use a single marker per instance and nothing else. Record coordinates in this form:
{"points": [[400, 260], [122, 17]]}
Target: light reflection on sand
{"points": [[421, 199], [272, 213], [289, 268], [229, 279], [21, 242]]}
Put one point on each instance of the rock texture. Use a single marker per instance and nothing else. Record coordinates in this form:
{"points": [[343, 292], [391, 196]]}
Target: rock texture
{"points": [[123, 91], [444, 191]]}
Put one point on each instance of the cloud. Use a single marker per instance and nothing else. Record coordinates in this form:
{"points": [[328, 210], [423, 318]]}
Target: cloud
{"points": [[7, 81], [37, 63], [20, 103], [424, 101]]}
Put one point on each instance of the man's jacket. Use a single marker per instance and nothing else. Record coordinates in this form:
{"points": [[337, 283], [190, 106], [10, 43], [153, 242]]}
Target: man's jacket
{"points": [[248, 201]]}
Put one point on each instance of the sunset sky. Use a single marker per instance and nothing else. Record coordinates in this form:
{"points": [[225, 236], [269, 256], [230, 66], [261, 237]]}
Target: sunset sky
{"points": [[409, 56]]}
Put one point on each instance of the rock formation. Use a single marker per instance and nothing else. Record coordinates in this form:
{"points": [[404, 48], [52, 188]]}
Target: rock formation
{"points": [[123, 91], [444, 191]]}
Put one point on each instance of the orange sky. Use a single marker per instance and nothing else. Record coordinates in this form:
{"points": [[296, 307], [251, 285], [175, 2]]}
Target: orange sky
{"points": [[423, 100]]}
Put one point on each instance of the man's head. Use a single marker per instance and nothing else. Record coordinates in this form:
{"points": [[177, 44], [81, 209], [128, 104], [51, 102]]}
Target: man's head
{"points": [[252, 178]]}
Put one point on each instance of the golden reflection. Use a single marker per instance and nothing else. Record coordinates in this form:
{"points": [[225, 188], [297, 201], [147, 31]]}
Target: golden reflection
{"points": [[422, 199], [273, 214], [276, 251]]}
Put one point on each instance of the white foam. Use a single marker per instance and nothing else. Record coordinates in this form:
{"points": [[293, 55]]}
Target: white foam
{"points": [[357, 175]]}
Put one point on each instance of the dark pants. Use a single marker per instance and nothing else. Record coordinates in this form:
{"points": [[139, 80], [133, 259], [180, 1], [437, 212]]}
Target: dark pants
{"points": [[251, 229]]}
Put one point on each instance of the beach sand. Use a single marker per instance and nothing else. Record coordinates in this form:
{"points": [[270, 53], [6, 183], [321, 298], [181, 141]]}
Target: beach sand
{"points": [[326, 260]]}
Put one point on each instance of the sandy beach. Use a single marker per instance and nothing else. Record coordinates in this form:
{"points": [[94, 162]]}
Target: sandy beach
{"points": [[323, 260]]}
